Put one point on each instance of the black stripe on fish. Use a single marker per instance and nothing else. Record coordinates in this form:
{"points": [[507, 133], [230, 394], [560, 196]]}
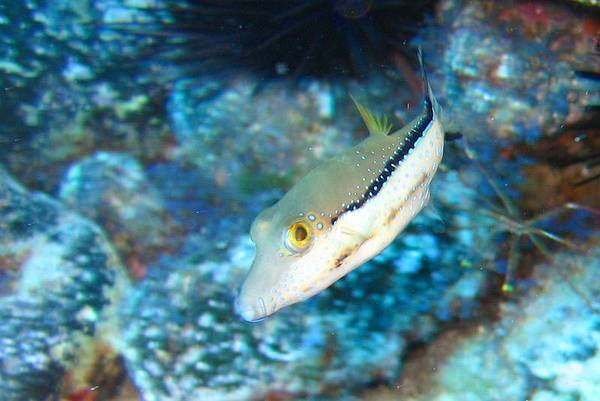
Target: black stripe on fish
{"points": [[397, 157]]}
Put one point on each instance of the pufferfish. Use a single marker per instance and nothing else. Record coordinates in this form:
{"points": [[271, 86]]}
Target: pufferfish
{"points": [[343, 212]]}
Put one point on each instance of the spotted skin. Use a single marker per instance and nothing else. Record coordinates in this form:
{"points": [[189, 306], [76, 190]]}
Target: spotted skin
{"points": [[354, 204]]}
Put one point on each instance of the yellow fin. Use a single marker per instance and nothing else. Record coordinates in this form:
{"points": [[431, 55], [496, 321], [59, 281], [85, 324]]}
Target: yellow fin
{"points": [[377, 125]]}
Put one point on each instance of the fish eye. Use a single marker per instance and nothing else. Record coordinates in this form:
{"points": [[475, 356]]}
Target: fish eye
{"points": [[298, 237]]}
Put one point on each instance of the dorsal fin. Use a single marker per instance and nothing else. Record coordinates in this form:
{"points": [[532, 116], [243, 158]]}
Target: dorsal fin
{"points": [[377, 125]]}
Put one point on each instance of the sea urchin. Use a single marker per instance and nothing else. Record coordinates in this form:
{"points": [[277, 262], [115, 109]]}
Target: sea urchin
{"points": [[318, 38]]}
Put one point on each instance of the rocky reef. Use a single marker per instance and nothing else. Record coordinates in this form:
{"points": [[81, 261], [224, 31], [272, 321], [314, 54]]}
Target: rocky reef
{"points": [[59, 281], [113, 190], [130, 183], [181, 335], [544, 346], [511, 72]]}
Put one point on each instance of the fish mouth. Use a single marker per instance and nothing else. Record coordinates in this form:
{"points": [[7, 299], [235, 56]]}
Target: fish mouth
{"points": [[251, 311]]}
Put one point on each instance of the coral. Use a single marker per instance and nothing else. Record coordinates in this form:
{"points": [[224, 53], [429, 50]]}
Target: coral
{"points": [[60, 280]]}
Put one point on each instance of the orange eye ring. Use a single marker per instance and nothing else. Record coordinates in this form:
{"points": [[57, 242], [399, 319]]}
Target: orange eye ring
{"points": [[298, 237]]}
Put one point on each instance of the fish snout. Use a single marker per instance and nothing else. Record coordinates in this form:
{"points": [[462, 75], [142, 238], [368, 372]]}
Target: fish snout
{"points": [[251, 310]]}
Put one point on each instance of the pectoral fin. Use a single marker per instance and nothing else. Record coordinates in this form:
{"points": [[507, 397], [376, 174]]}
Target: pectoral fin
{"points": [[355, 234]]}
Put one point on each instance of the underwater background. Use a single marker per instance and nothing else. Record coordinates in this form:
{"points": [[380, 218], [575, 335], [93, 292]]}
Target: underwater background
{"points": [[140, 138]]}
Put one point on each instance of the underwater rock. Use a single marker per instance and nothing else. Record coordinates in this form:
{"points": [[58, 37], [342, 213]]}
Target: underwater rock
{"points": [[240, 144], [544, 347], [470, 368], [59, 280], [181, 338], [509, 70], [113, 190], [554, 333], [201, 209], [260, 136], [70, 86]]}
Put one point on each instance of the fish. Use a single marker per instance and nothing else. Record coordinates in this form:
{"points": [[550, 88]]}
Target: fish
{"points": [[344, 212]]}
